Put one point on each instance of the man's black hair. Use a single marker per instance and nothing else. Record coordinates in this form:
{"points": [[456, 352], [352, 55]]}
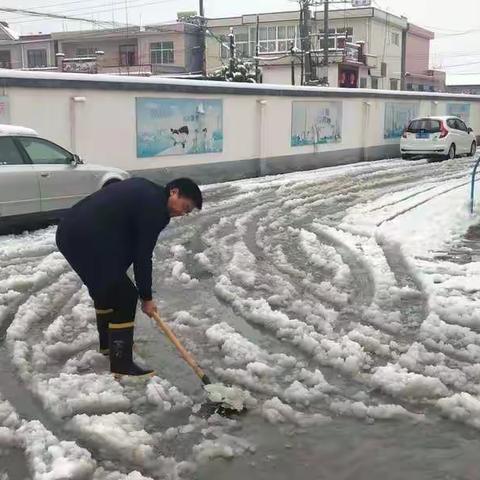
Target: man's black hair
{"points": [[187, 188]]}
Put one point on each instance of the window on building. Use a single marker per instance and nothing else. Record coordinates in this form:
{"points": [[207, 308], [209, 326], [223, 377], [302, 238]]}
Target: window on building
{"points": [[274, 39], [37, 58], [337, 37], [395, 38], [363, 82], [409, 86], [394, 84], [244, 48], [224, 47], [162, 52], [128, 55], [242, 44], [5, 59], [383, 69], [375, 83], [86, 51], [348, 78], [268, 39], [421, 88]]}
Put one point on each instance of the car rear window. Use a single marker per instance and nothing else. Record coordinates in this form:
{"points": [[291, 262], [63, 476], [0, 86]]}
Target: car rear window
{"points": [[424, 125]]}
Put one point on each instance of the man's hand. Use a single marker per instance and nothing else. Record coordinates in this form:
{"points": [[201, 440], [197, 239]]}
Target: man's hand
{"points": [[149, 307]]}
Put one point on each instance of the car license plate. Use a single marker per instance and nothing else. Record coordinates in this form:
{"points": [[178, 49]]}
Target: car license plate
{"points": [[423, 135]]}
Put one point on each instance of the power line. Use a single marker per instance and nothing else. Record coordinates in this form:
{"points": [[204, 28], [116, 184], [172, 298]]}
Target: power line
{"points": [[40, 7], [70, 11], [69, 17], [48, 15]]}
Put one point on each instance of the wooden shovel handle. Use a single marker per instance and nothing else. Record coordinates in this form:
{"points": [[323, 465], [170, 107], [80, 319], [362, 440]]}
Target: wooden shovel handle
{"points": [[183, 352]]}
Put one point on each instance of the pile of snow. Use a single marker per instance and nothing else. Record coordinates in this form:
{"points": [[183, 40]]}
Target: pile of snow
{"points": [[53, 459], [67, 395], [461, 407], [275, 411], [121, 432], [400, 382], [225, 446]]}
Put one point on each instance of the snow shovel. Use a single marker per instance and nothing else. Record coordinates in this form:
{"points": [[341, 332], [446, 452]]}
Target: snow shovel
{"points": [[222, 399], [183, 352]]}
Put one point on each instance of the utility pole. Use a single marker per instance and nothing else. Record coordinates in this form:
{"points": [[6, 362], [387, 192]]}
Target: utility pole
{"points": [[325, 39], [257, 51], [305, 31], [231, 37], [301, 47], [292, 54], [202, 39]]}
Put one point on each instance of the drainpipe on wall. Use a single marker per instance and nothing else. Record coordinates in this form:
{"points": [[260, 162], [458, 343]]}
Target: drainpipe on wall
{"points": [[404, 59], [73, 122], [366, 122], [262, 104]]}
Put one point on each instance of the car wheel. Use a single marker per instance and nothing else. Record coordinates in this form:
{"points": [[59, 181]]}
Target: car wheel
{"points": [[473, 149], [451, 152]]}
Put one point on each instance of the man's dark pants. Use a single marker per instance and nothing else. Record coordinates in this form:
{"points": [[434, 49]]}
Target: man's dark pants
{"points": [[115, 304]]}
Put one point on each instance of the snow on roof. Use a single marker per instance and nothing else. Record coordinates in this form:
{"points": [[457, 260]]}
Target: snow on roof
{"points": [[11, 33], [470, 79], [14, 130]]}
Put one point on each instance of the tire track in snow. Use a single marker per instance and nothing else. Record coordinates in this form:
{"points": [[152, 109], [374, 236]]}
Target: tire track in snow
{"points": [[413, 301]]}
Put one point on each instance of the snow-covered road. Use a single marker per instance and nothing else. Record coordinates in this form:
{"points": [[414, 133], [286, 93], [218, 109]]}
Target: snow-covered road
{"points": [[332, 296]]}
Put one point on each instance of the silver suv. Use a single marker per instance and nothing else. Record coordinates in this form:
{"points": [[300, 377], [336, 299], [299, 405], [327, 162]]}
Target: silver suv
{"points": [[39, 179]]}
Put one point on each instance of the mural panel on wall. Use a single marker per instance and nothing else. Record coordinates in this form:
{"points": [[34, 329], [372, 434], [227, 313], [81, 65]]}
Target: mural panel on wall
{"points": [[397, 117], [315, 123], [461, 110], [178, 126]]}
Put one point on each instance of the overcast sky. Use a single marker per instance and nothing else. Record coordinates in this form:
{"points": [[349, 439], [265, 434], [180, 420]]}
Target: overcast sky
{"points": [[456, 24]]}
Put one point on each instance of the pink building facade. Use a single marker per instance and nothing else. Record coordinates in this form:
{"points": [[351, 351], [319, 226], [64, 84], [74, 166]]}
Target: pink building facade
{"points": [[418, 76]]}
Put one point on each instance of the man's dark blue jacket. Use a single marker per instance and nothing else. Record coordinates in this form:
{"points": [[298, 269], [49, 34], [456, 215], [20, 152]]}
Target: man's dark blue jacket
{"points": [[103, 234]]}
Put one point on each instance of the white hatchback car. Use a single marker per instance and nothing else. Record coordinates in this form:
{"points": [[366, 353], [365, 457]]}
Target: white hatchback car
{"points": [[444, 137], [39, 179]]}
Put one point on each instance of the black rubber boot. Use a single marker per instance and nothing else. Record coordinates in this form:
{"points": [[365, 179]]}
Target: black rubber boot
{"points": [[121, 361], [104, 317]]}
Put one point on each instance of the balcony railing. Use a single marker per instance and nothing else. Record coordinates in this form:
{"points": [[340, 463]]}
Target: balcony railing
{"points": [[143, 70]]}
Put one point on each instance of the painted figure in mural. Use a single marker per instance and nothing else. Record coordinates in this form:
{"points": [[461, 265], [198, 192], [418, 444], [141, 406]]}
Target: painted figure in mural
{"points": [[200, 143], [106, 233], [205, 147], [180, 136], [195, 142]]}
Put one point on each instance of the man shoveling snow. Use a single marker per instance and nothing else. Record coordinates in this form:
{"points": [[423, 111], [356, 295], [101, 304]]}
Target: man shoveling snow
{"points": [[103, 235]]}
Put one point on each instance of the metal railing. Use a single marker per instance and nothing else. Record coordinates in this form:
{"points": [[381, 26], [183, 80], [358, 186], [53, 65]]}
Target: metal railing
{"points": [[472, 190]]}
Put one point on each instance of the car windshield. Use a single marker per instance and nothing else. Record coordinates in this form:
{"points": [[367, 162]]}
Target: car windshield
{"points": [[424, 125]]}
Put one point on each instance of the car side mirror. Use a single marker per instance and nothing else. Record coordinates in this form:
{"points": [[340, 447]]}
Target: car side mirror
{"points": [[469, 130], [76, 160]]}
